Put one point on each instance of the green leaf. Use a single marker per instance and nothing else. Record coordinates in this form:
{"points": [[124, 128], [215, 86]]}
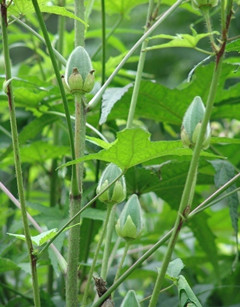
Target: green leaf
{"points": [[110, 97], [162, 104], [121, 7], [233, 46], [206, 238], [7, 265], [224, 172], [39, 239], [31, 130], [224, 140], [24, 7], [180, 40], [94, 214], [98, 142], [186, 294], [174, 268], [133, 147]]}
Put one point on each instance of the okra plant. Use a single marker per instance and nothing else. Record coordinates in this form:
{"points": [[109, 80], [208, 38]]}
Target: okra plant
{"points": [[119, 153]]}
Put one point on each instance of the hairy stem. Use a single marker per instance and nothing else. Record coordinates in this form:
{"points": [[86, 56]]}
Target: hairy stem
{"points": [[17, 160], [90, 274], [75, 206]]}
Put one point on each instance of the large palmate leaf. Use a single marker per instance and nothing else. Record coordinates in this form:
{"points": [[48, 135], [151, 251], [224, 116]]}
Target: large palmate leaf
{"points": [[133, 146], [162, 104]]}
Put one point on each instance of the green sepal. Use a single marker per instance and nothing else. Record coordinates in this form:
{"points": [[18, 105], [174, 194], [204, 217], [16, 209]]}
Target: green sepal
{"points": [[129, 224]]}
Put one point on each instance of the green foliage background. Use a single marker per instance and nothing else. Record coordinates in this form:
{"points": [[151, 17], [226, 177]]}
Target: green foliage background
{"points": [[157, 162]]}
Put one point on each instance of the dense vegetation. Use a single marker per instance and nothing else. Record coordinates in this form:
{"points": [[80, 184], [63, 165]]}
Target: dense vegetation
{"points": [[158, 226]]}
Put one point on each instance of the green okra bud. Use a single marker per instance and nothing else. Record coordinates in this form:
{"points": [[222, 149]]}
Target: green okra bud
{"points": [[129, 224], [117, 192], [191, 125], [79, 75], [130, 300]]}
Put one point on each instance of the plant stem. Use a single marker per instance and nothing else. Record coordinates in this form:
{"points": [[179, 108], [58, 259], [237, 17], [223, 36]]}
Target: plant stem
{"points": [[103, 41], [75, 206], [16, 151], [126, 248], [77, 176], [97, 96], [139, 68], [205, 13], [79, 26], [80, 132], [162, 241], [61, 30], [185, 203], [85, 295], [106, 252]]}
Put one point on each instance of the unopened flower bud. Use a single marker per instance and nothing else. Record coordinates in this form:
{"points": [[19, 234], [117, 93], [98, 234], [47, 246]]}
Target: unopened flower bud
{"points": [[191, 125], [130, 300], [79, 75], [117, 192], [129, 224]]}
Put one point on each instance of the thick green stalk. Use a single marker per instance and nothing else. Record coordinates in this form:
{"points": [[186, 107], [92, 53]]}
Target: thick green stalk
{"points": [[16, 152], [139, 68], [75, 206], [79, 26], [96, 252], [107, 244], [96, 97], [185, 203], [77, 176]]}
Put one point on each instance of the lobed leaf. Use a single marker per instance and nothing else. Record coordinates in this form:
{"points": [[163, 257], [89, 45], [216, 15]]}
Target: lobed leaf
{"points": [[133, 146]]}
